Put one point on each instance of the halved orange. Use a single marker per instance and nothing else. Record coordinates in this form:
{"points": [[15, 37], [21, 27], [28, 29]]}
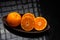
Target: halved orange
{"points": [[29, 14], [40, 23], [13, 19], [27, 22]]}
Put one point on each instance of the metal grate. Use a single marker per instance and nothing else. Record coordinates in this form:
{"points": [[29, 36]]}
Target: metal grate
{"points": [[22, 7]]}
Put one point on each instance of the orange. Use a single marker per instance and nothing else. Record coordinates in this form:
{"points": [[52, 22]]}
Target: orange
{"points": [[27, 22], [29, 14], [40, 23], [13, 19]]}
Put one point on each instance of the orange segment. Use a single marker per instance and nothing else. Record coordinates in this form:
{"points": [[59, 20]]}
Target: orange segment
{"points": [[40, 23], [13, 19], [27, 22]]}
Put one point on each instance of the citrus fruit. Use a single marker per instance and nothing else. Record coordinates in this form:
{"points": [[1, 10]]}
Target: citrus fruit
{"points": [[40, 23], [27, 22], [13, 19], [29, 14]]}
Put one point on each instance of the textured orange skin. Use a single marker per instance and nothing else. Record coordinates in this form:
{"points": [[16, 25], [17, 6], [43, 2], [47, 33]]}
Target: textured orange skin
{"points": [[13, 19]]}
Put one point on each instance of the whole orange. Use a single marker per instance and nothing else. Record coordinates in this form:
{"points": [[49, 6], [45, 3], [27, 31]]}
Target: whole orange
{"points": [[13, 19]]}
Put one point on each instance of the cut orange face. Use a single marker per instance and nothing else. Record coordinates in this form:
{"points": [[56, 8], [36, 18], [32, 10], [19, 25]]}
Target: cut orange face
{"points": [[27, 22], [40, 23], [13, 19], [29, 14]]}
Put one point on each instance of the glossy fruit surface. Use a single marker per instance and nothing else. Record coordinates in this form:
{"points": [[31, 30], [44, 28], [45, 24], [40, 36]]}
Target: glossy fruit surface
{"points": [[13, 19]]}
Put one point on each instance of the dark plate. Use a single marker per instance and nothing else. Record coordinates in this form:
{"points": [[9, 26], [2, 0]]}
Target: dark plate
{"points": [[20, 32]]}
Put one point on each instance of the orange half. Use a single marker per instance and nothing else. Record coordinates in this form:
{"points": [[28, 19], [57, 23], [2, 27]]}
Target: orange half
{"points": [[29, 14], [40, 23], [27, 23]]}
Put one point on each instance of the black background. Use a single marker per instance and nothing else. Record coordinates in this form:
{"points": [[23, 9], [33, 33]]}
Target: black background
{"points": [[49, 8]]}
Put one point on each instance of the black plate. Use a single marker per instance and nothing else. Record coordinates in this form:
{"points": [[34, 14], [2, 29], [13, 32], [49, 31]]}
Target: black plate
{"points": [[20, 32]]}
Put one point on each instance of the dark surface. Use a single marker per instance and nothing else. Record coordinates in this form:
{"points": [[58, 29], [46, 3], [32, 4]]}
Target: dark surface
{"points": [[20, 32], [49, 9]]}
